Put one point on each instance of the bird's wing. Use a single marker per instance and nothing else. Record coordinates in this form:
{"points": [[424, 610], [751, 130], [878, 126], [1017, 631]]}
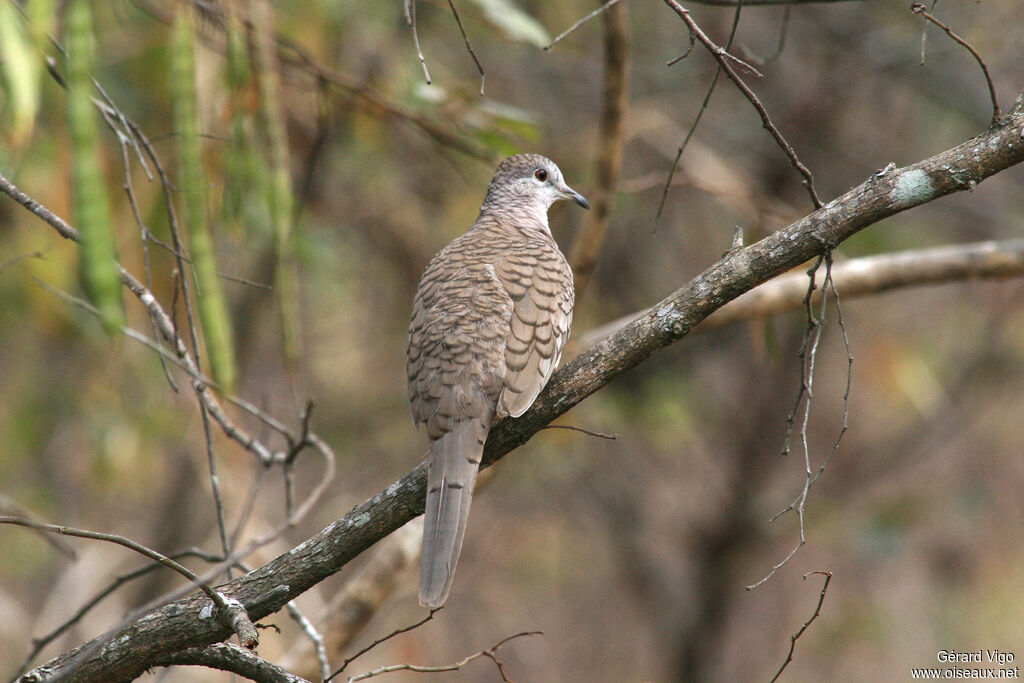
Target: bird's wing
{"points": [[455, 356], [539, 283]]}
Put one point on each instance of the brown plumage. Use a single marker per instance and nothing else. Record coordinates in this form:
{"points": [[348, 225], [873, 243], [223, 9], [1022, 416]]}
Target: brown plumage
{"points": [[489, 320]]}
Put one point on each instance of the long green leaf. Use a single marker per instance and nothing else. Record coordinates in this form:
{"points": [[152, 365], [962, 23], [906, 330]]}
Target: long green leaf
{"points": [[213, 310], [280, 201], [89, 201], [19, 75], [242, 163]]}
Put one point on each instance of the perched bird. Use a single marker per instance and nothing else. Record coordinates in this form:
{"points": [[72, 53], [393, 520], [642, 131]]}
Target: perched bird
{"points": [[489, 320]]}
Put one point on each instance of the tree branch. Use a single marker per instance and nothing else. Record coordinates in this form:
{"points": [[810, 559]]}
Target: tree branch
{"points": [[361, 598], [817, 612], [612, 128], [234, 659], [920, 8], [724, 60], [127, 652], [859, 277]]}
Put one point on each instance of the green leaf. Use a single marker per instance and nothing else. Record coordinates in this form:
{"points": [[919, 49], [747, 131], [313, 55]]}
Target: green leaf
{"points": [[280, 199], [91, 213], [19, 69], [213, 309], [516, 24]]}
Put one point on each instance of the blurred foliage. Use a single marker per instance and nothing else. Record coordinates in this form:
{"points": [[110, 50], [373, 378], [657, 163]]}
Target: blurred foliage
{"points": [[631, 555], [90, 213], [213, 314]]}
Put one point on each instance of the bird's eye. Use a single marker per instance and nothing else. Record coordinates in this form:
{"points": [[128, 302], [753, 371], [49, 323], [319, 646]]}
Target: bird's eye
{"points": [[540, 174]]}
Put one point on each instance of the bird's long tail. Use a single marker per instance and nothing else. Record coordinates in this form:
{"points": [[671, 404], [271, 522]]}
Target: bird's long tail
{"points": [[454, 463]]}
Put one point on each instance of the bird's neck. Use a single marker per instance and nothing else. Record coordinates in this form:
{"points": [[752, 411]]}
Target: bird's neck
{"points": [[523, 216]]}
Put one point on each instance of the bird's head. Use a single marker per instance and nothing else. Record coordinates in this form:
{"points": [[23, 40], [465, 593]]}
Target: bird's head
{"points": [[530, 179]]}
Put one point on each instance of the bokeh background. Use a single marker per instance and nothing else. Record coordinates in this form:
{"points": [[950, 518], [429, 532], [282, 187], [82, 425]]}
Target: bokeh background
{"points": [[630, 555]]}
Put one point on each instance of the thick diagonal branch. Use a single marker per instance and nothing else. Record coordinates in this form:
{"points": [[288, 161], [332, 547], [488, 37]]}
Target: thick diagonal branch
{"points": [[859, 277]]}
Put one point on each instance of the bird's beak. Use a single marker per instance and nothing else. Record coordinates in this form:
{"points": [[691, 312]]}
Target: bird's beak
{"points": [[569, 193]]}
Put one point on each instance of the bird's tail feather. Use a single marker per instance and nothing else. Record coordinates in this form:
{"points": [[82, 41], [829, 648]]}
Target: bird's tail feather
{"points": [[454, 462]]}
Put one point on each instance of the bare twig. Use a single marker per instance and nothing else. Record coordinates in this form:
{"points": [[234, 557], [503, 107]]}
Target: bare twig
{"points": [[780, 46], [780, 564], [314, 636], [845, 423], [231, 658], [20, 257], [588, 432], [684, 55], [919, 8], [228, 610], [410, 19], [14, 508], [700, 112], [580, 22], [724, 58], [808, 354], [245, 514], [297, 445], [489, 653], [124, 542], [136, 135], [924, 36], [737, 240], [469, 48], [200, 383], [743, 64], [398, 631], [817, 611], [145, 235], [55, 221]]}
